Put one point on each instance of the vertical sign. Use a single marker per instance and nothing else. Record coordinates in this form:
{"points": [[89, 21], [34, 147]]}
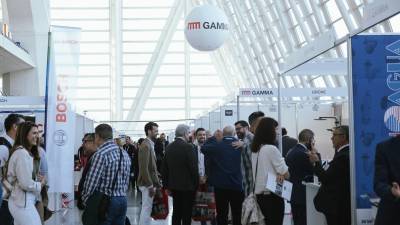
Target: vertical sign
{"points": [[62, 70], [376, 108]]}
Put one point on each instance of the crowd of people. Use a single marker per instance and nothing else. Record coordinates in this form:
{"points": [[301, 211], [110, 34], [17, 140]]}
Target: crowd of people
{"points": [[23, 196], [233, 164]]}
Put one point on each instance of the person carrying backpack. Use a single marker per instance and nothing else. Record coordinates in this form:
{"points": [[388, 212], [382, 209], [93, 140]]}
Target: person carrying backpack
{"points": [[6, 142]]}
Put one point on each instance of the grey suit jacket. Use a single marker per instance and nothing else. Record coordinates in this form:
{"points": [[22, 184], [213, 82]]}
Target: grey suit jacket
{"points": [[148, 174]]}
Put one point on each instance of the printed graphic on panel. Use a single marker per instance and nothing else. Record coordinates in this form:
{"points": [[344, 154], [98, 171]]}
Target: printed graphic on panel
{"points": [[392, 119], [376, 104]]}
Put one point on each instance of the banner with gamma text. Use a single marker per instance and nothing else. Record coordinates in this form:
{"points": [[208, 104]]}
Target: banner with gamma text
{"points": [[376, 110]]}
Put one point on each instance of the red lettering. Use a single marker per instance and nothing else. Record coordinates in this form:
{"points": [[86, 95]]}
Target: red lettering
{"points": [[61, 107], [62, 89], [60, 98], [61, 117]]}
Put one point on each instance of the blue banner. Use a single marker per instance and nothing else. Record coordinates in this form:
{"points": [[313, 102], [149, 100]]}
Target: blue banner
{"points": [[376, 104]]}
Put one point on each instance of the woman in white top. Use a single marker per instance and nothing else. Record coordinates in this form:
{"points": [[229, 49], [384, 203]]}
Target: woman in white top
{"points": [[25, 190], [266, 158]]}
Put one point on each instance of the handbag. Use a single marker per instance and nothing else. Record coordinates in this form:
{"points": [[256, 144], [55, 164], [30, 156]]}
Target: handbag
{"points": [[160, 209], [204, 208], [251, 212], [98, 203]]}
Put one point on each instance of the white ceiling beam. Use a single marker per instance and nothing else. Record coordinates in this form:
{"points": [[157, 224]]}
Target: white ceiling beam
{"points": [[156, 61], [245, 45]]}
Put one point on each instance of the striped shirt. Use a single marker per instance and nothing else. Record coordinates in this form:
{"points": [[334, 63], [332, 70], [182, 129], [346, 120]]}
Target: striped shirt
{"points": [[247, 171], [103, 168]]}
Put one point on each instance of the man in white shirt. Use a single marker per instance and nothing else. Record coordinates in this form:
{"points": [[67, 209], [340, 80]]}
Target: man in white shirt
{"points": [[200, 135], [6, 142]]}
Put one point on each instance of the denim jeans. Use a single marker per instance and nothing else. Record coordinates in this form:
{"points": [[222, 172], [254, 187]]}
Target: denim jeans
{"points": [[116, 211]]}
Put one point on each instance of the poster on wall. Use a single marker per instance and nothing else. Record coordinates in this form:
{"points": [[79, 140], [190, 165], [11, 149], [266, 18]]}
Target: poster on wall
{"points": [[62, 70], [376, 109]]}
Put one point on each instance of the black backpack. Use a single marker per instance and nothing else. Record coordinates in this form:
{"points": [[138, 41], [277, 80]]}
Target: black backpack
{"points": [[3, 141], [4, 169]]}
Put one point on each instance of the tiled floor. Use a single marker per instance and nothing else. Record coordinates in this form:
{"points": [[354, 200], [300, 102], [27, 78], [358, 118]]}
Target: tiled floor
{"points": [[72, 217]]}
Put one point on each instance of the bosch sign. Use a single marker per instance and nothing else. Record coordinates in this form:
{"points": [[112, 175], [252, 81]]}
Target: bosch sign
{"points": [[61, 106]]}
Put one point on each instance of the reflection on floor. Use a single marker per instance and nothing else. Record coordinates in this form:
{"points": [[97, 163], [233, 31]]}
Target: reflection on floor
{"points": [[73, 217]]}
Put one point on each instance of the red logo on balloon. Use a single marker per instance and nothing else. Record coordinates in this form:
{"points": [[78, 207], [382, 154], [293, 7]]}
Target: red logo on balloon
{"points": [[194, 25]]}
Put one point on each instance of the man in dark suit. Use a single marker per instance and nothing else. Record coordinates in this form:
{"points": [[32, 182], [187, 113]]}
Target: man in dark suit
{"points": [[225, 175], [180, 175], [333, 197], [387, 180], [159, 147], [287, 142], [300, 169]]}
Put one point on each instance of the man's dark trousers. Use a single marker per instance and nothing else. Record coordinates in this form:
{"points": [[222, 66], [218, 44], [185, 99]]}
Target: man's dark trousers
{"points": [[224, 198], [299, 213], [183, 205]]}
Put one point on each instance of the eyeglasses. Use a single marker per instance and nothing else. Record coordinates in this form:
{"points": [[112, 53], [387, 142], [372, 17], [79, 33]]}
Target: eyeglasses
{"points": [[238, 128]]}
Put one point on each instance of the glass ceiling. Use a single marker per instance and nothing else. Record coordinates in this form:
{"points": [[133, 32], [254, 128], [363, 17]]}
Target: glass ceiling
{"points": [[135, 64]]}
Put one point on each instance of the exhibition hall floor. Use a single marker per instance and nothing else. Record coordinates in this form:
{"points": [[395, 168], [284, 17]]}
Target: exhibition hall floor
{"points": [[132, 213]]}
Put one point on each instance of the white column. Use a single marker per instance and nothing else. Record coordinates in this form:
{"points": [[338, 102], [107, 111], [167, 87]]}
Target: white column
{"points": [[29, 24]]}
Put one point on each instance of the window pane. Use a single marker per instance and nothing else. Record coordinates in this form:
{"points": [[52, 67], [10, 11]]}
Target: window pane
{"points": [[92, 104], [172, 69], [167, 92], [131, 81], [95, 36], [145, 13], [200, 80], [79, 13], [94, 70], [94, 59], [139, 47], [147, 3], [163, 103], [174, 58], [94, 47], [132, 70], [141, 35], [136, 58], [129, 92], [93, 93], [165, 81], [198, 92], [93, 82], [144, 24], [202, 69], [86, 25], [79, 3]]}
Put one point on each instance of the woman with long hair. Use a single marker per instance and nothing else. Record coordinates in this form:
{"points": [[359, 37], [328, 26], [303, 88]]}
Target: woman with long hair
{"points": [[21, 175], [267, 159]]}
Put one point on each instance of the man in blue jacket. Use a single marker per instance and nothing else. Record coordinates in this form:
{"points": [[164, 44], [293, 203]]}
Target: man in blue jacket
{"points": [[387, 180], [225, 175], [300, 170]]}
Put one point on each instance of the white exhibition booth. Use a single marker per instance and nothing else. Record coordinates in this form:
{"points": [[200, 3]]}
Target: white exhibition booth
{"points": [[34, 107], [295, 116]]}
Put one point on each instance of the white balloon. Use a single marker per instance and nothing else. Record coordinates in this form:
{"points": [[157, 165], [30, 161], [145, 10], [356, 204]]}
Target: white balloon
{"points": [[206, 28]]}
